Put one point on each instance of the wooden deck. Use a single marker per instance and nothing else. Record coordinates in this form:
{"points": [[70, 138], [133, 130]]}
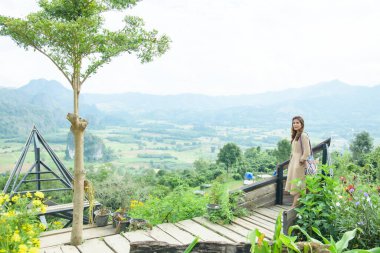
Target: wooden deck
{"points": [[168, 237]]}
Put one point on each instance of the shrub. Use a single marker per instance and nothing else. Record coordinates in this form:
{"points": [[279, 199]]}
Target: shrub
{"points": [[228, 203], [357, 206], [316, 204], [19, 225], [180, 204]]}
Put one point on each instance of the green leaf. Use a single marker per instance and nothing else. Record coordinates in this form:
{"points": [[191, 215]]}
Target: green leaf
{"points": [[346, 238], [309, 238], [332, 248], [277, 243], [192, 245], [252, 238], [316, 230], [289, 243]]}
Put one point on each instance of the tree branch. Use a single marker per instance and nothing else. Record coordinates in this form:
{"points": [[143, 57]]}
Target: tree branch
{"points": [[42, 52]]}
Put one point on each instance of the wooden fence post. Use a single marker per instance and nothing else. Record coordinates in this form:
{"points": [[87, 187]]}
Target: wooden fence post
{"points": [[280, 185]]}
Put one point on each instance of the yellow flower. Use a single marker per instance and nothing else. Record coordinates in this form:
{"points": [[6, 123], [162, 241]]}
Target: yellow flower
{"points": [[22, 248], [4, 198], [135, 203], [42, 226], [16, 237], [43, 209], [33, 250], [31, 233], [39, 195], [36, 242], [27, 227], [28, 195], [15, 198], [36, 202]]}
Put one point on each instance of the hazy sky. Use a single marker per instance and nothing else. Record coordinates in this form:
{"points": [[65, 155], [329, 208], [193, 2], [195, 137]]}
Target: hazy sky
{"points": [[228, 47]]}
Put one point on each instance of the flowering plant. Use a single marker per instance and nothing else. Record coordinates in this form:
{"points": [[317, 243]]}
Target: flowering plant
{"points": [[19, 226], [357, 206]]}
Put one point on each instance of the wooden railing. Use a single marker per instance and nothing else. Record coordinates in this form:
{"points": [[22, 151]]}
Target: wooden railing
{"points": [[323, 146], [272, 189]]}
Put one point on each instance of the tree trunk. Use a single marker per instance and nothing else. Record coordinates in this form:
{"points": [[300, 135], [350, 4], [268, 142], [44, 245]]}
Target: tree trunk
{"points": [[78, 126]]}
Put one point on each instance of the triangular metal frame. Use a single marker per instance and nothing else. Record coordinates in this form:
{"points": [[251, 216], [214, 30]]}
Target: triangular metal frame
{"points": [[39, 167]]}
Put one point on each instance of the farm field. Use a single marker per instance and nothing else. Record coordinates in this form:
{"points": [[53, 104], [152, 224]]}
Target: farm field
{"points": [[151, 145], [157, 145]]}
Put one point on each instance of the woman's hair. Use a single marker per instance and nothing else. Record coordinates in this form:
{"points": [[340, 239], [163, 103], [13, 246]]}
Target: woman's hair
{"points": [[296, 134]]}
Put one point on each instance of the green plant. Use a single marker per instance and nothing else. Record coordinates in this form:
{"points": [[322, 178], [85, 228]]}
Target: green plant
{"points": [[217, 193], [235, 198], [218, 196], [90, 193], [19, 225], [103, 210], [280, 240], [357, 206], [334, 247], [223, 206], [178, 205], [316, 203], [259, 245], [137, 224], [192, 245]]}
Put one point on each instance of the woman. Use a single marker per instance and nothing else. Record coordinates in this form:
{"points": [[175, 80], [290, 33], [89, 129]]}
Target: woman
{"points": [[297, 164]]}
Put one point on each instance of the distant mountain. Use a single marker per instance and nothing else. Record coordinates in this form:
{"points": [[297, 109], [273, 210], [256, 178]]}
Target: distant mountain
{"points": [[332, 105], [42, 103]]}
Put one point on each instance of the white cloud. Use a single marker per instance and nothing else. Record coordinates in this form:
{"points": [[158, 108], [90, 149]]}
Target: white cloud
{"points": [[229, 47]]}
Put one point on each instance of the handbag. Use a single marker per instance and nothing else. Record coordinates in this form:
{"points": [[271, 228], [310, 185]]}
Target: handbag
{"points": [[311, 165]]}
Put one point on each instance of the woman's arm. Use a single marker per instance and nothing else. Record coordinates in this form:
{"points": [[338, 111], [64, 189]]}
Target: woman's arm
{"points": [[306, 146]]}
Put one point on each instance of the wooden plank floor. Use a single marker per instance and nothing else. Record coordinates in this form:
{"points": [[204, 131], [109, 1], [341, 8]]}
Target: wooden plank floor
{"points": [[104, 239]]}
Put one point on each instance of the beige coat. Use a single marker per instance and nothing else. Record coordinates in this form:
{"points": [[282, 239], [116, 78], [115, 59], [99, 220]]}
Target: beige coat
{"points": [[295, 169]]}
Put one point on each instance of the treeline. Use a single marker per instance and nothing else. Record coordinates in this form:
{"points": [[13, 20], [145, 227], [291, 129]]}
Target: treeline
{"points": [[19, 120]]}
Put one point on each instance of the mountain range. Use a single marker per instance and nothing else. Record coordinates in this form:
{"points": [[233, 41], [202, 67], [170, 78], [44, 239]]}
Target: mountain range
{"points": [[331, 106]]}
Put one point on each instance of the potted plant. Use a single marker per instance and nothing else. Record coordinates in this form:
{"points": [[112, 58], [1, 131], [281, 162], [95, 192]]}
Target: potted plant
{"points": [[120, 220], [101, 216], [136, 224], [215, 197], [218, 209]]}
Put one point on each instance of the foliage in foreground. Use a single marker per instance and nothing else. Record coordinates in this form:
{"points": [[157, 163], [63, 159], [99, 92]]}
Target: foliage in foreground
{"points": [[227, 202], [19, 225], [181, 204], [280, 240], [335, 206]]}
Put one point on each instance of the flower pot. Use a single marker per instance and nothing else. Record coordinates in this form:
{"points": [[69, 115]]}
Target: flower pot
{"points": [[122, 226], [101, 220], [213, 208], [118, 216], [136, 224]]}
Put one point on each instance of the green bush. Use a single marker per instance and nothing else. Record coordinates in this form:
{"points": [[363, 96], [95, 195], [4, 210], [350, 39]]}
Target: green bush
{"points": [[357, 206], [180, 204], [334, 208], [228, 203], [316, 203]]}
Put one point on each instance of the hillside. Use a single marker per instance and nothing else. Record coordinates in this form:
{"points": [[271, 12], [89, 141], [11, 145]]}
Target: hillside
{"points": [[327, 106]]}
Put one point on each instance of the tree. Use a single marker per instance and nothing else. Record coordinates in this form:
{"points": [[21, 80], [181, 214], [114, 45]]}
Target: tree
{"points": [[230, 154], [361, 145], [282, 153], [259, 161], [72, 35]]}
